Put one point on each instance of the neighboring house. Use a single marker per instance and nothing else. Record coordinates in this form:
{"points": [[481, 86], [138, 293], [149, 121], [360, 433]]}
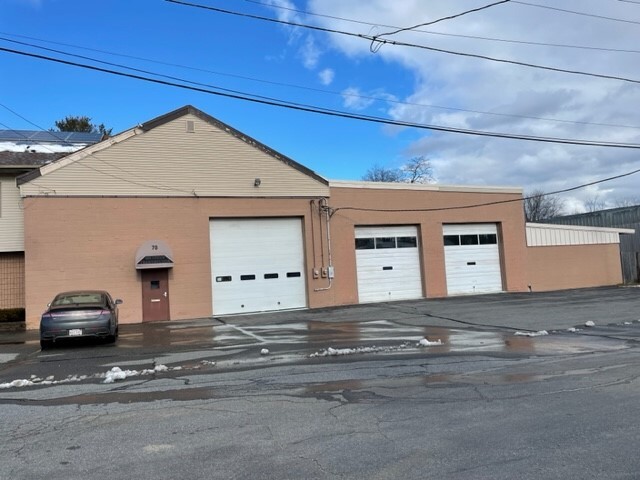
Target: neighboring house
{"points": [[184, 217], [22, 151], [622, 217]]}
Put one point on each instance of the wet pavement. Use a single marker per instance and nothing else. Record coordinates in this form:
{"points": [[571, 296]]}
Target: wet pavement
{"points": [[499, 325]]}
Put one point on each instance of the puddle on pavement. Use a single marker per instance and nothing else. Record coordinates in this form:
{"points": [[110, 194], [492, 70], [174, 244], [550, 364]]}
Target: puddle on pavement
{"points": [[316, 335]]}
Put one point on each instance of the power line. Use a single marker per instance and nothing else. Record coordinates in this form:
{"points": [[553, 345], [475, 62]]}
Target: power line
{"points": [[450, 17], [486, 204], [330, 112], [371, 38], [154, 185], [288, 85], [573, 12], [455, 35]]}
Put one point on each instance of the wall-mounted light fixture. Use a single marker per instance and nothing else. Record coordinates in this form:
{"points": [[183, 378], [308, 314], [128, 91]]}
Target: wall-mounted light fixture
{"points": [[256, 182]]}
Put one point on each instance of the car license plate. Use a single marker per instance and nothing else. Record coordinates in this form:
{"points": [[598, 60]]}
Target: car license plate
{"points": [[74, 332]]}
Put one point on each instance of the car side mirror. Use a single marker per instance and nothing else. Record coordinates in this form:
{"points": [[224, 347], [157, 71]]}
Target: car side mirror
{"points": [[48, 305], [118, 301]]}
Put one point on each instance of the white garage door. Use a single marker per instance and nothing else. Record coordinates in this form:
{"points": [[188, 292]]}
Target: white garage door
{"points": [[388, 263], [257, 265], [472, 258]]}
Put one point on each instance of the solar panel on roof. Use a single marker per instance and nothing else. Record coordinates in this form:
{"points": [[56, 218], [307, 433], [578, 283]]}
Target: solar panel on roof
{"points": [[39, 136]]}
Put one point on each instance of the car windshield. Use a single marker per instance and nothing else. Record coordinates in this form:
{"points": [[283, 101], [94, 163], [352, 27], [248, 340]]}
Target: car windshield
{"points": [[77, 299]]}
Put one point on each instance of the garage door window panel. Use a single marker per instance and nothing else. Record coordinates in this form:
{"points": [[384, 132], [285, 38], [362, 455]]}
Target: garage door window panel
{"points": [[407, 242], [488, 239], [468, 239], [365, 244], [385, 242], [451, 240]]}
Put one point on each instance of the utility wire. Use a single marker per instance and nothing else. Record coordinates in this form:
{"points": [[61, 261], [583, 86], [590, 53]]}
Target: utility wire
{"points": [[371, 38], [80, 162], [301, 87], [329, 112], [486, 204], [455, 35], [375, 45], [573, 12]]}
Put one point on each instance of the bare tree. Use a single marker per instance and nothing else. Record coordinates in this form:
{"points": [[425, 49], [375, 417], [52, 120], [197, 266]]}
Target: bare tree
{"points": [[378, 173], [627, 202], [594, 204], [539, 206], [418, 170]]}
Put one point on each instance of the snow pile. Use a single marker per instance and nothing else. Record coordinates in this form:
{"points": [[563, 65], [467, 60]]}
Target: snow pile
{"points": [[590, 323], [264, 351], [539, 333], [573, 329], [17, 383], [116, 373], [334, 352], [113, 375], [424, 342]]}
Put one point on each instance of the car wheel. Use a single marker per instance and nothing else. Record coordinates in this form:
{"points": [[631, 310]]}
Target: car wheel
{"points": [[45, 344]]}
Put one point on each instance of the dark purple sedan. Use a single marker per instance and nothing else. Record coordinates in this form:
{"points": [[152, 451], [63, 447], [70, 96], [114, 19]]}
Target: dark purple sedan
{"points": [[84, 313]]}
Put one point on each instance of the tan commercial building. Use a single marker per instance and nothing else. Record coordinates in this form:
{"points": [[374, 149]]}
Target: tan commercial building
{"points": [[186, 217]]}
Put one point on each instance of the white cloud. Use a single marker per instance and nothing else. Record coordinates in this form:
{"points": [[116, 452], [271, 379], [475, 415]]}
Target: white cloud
{"points": [[326, 76], [520, 100], [353, 99], [309, 52]]}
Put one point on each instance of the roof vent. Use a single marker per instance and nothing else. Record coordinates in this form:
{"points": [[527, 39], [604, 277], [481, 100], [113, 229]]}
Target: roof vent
{"points": [[191, 128]]}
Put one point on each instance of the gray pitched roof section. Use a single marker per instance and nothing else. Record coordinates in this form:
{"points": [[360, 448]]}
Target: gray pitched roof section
{"points": [[188, 109], [27, 159], [59, 138]]}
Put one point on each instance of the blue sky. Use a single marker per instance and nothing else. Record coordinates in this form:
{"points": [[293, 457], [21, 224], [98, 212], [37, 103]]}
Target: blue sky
{"points": [[340, 72]]}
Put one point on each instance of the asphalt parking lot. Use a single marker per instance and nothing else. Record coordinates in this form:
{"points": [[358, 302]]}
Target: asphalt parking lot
{"points": [[378, 323]]}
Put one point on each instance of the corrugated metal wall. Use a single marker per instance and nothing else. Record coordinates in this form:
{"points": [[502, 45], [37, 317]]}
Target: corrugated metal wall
{"points": [[624, 217]]}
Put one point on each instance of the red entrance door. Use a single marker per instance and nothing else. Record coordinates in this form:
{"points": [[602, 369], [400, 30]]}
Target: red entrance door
{"points": [[155, 295]]}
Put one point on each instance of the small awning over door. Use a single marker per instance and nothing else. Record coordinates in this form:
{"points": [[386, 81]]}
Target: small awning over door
{"points": [[154, 254]]}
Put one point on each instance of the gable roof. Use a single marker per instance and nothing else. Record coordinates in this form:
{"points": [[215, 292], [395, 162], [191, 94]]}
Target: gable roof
{"points": [[163, 140], [189, 109]]}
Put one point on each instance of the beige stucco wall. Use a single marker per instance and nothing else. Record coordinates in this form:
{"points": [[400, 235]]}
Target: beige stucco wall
{"points": [[575, 266], [508, 216], [90, 242]]}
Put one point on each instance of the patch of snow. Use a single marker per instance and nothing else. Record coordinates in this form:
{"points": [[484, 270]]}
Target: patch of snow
{"points": [[628, 323], [333, 352], [590, 323], [539, 333], [116, 373], [264, 351], [573, 329], [113, 375], [17, 383], [424, 342]]}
